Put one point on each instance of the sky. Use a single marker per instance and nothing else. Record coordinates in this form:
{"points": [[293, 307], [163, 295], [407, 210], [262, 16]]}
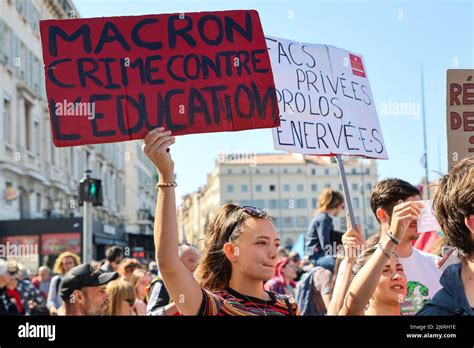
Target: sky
{"points": [[397, 39]]}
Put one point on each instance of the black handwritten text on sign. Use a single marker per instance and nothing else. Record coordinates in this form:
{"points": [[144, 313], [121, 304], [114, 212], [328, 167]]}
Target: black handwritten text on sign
{"points": [[114, 79], [325, 100]]}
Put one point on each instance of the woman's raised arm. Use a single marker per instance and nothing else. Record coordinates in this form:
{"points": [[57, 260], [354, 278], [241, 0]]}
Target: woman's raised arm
{"points": [[179, 281]]}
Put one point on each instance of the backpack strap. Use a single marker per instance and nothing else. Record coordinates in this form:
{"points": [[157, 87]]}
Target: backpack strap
{"points": [[288, 304]]}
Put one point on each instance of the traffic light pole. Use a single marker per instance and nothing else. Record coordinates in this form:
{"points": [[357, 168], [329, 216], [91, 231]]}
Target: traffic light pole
{"points": [[87, 229]]}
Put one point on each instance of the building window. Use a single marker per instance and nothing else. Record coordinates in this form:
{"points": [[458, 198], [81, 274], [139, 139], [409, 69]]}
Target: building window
{"points": [[327, 185], [285, 170], [259, 203], [369, 186], [286, 188], [370, 223], [36, 136], [301, 203], [272, 188], [356, 202], [230, 188], [314, 187], [9, 192], [353, 171], [326, 171], [113, 183], [14, 62], [288, 222], [299, 188], [257, 171], [340, 187], [38, 202], [28, 126], [3, 46], [229, 171], [298, 170], [313, 171], [272, 204], [244, 171], [7, 119], [343, 223], [367, 171], [245, 188], [314, 203], [245, 202], [19, 6], [258, 188], [271, 171], [354, 187], [301, 221]]}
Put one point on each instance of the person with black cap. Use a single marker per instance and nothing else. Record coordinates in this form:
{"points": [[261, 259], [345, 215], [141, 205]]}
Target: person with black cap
{"points": [[83, 290]]}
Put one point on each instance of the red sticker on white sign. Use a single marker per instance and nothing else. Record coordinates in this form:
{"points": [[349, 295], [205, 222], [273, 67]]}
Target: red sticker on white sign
{"points": [[357, 66]]}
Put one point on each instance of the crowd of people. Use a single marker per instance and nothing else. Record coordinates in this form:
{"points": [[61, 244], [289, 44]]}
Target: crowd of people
{"points": [[241, 269]]}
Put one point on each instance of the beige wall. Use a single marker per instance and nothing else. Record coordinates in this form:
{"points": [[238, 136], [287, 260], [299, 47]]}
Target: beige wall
{"points": [[45, 177]]}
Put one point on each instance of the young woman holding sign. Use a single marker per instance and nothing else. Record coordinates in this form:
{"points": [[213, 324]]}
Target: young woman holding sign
{"points": [[241, 251], [380, 284]]}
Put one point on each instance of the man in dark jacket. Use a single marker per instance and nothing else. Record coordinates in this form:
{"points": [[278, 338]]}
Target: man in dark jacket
{"points": [[453, 206], [451, 299]]}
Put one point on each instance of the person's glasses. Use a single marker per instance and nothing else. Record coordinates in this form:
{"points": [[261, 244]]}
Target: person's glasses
{"points": [[130, 302], [252, 211]]}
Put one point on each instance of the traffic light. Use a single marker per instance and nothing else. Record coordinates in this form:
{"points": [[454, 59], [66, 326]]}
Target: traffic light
{"points": [[90, 190]]}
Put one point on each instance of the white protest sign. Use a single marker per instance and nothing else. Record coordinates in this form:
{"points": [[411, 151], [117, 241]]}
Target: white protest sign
{"points": [[427, 221], [326, 105]]}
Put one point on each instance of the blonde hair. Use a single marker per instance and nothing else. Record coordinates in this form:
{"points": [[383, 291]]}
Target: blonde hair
{"points": [[329, 199], [58, 264], [119, 291], [137, 275]]}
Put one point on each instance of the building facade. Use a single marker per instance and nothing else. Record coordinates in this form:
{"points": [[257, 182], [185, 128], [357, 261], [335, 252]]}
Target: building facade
{"points": [[287, 185], [37, 179]]}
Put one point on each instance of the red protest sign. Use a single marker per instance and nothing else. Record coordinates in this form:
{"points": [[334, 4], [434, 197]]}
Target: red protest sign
{"points": [[113, 79]]}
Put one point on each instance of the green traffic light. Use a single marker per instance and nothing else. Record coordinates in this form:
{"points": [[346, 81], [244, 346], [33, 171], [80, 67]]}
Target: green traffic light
{"points": [[92, 188]]}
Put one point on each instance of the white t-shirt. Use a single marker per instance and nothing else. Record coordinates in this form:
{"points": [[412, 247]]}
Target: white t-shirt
{"points": [[422, 275]]}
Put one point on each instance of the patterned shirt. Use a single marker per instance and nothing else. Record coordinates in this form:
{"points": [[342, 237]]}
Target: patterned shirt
{"points": [[28, 292], [230, 302]]}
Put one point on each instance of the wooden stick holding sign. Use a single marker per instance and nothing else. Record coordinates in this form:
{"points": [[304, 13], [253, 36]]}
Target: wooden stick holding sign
{"points": [[345, 186]]}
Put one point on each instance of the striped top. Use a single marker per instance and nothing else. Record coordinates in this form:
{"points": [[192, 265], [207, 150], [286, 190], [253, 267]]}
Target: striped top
{"points": [[230, 302]]}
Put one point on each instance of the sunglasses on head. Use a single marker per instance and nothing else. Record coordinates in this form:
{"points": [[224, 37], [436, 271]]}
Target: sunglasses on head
{"points": [[253, 212]]}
